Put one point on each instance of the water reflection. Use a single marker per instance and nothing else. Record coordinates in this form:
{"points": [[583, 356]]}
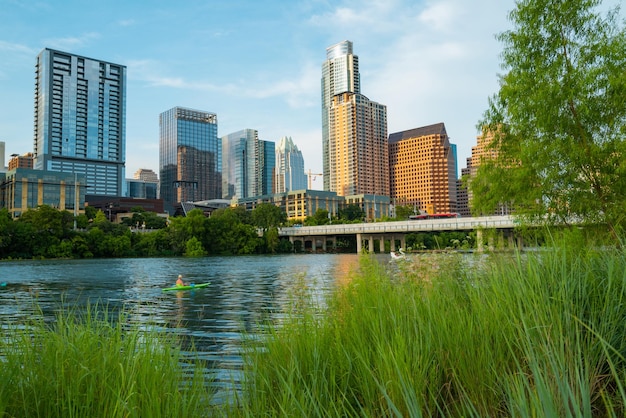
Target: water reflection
{"points": [[244, 292]]}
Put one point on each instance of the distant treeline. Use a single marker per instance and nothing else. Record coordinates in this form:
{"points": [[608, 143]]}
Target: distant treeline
{"points": [[46, 232]]}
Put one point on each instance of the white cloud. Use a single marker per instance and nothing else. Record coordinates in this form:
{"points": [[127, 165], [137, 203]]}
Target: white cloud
{"points": [[16, 48], [126, 22], [440, 15], [71, 42]]}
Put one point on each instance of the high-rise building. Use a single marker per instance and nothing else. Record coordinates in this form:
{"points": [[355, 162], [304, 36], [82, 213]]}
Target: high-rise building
{"points": [[146, 174], [423, 170], [190, 157], [21, 161], [354, 129], [248, 165], [80, 119], [143, 185], [290, 173], [2, 167], [267, 166], [484, 151]]}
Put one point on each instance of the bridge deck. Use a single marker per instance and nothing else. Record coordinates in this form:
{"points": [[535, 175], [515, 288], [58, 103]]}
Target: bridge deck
{"points": [[452, 224]]}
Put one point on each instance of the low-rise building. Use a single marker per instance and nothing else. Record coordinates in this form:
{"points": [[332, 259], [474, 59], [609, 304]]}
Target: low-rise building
{"points": [[24, 188]]}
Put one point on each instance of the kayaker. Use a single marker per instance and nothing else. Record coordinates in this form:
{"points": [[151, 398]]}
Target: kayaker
{"points": [[179, 281]]}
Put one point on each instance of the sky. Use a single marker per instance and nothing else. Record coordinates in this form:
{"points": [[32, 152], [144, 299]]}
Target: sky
{"points": [[257, 64]]}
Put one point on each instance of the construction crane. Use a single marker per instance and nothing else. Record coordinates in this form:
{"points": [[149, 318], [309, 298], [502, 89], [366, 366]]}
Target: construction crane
{"points": [[309, 175]]}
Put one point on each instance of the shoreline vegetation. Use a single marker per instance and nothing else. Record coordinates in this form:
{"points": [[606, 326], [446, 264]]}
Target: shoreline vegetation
{"points": [[47, 233], [532, 334]]}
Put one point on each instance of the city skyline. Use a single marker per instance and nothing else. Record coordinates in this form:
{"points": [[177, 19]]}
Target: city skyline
{"points": [[257, 65]]}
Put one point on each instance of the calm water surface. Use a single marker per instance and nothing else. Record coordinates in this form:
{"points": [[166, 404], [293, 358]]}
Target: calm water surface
{"points": [[244, 291]]}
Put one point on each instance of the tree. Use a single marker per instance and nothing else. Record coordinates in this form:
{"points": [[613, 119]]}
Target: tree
{"points": [[403, 211], [194, 248], [351, 212], [267, 215], [559, 118], [319, 218]]}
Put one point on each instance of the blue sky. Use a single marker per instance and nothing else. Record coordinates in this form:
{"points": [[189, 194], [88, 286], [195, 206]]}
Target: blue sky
{"points": [[257, 64]]}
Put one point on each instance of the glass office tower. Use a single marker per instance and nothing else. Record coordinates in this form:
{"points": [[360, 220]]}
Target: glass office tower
{"points": [[190, 161], [80, 119], [290, 173], [267, 166], [248, 165]]}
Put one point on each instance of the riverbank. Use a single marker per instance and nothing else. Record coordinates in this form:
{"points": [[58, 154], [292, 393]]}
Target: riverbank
{"points": [[533, 334], [515, 335]]}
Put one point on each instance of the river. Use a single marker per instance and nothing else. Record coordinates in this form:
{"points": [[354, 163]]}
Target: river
{"points": [[244, 291]]}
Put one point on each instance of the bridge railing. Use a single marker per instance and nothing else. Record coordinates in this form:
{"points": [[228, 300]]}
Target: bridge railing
{"points": [[451, 224]]}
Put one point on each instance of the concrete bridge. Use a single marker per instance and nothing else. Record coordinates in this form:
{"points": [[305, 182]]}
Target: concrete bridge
{"points": [[395, 232]]}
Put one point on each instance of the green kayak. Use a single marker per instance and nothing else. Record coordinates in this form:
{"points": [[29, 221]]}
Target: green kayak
{"points": [[190, 287]]}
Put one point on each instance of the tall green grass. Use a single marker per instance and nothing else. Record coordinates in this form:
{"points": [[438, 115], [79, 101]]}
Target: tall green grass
{"points": [[92, 365], [525, 335]]}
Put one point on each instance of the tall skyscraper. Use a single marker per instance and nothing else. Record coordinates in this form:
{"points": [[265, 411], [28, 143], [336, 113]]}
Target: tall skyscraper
{"points": [[248, 165], [290, 173], [354, 129], [2, 166], [267, 166], [190, 157], [423, 169], [80, 119]]}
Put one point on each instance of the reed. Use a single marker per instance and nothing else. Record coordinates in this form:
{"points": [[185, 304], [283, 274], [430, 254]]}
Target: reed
{"points": [[91, 364], [521, 335]]}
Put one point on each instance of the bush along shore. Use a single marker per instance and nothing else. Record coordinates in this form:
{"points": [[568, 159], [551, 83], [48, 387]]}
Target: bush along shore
{"points": [[528, 335]]}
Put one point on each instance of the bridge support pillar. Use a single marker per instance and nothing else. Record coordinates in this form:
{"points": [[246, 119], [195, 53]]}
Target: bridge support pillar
{"points": [[381, 244], [479, 241], [324, 243], [359, 243], [370, 244]]}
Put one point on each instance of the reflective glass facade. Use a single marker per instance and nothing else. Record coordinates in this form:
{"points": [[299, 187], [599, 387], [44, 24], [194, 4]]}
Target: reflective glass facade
{"points": [[80, 119], [249, 165], [267, 153], [190, 163], [290, 173]]}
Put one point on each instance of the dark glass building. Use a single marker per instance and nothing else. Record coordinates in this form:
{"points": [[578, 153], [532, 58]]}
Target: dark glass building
{"points": [[190, 163]]}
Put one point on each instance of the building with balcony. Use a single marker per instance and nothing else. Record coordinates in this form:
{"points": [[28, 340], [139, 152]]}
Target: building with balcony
{"points": [[354, 129], [80, 119]]}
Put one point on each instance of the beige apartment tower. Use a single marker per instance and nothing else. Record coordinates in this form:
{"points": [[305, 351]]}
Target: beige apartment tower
{"points": [[354, 129], [422, 163]]}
